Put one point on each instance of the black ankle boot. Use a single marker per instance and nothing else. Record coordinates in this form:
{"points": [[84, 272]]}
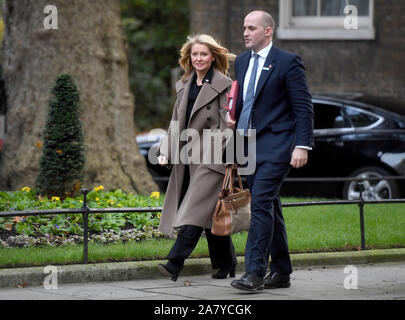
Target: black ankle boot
{"points": [[223, 272], [165, 269]]}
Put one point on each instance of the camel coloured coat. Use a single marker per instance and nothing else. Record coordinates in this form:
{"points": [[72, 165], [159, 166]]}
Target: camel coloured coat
{"points": [[206, 177]]}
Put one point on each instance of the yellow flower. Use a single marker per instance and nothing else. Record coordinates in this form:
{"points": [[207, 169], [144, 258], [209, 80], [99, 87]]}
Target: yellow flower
{"points": [[120, 205], [26, 189], [155, 195], [101, 187], [97, 199], [55, 199]]}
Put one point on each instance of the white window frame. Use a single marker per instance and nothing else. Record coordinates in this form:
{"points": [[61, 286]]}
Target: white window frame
{"points": [[322, 28]]}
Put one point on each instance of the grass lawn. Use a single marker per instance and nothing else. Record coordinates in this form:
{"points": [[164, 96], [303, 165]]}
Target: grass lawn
{"points": [[309, 229], [331, 228]]}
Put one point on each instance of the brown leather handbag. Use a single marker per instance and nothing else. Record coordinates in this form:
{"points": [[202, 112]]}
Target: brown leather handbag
{"points": [[232, 212]]}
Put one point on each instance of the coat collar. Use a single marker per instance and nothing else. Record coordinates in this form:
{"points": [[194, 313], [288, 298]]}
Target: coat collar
{"points": [[209, 91], [218, 83], [268, 68]]}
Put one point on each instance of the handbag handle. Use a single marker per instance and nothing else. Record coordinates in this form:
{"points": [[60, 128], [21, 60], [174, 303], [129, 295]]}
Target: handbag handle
{"points": [[226, 178], [231, 170], [239, 178]]}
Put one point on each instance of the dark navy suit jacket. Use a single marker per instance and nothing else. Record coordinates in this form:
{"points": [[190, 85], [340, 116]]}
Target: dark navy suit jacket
{"points": [[282, 113]]}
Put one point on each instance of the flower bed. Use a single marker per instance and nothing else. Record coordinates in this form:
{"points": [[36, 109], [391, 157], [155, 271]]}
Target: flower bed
{"points": [[65, 229]]}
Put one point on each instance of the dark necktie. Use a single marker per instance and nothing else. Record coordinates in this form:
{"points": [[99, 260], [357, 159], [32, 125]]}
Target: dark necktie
{"points": [[250, 97]]}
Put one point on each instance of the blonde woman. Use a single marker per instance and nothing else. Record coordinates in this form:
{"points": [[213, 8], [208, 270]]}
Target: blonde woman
{"points": [[193, 187]]}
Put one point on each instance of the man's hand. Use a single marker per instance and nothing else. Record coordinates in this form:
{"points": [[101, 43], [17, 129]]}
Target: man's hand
{"points": [[299, 158], [231, 123]]}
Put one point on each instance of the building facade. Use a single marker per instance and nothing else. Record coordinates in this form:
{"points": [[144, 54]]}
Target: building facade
{"points": [[347, 45]]}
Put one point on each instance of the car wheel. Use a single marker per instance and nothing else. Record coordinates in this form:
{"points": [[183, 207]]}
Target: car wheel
{"points": [[373, 189]]}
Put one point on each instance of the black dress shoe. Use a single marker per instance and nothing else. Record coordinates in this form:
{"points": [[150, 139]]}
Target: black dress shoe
{"points": [[165, 269], [277, 280], [223, 272], [249, 281]]}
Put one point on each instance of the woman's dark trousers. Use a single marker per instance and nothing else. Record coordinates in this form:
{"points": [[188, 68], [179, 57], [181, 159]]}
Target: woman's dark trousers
{"points": [[221, 249]]}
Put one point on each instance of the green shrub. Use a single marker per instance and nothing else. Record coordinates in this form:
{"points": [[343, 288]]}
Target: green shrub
{"points": [[62, 160]]}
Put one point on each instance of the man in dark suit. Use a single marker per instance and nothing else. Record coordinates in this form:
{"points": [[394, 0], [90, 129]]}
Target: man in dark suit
{"points": [[274, 100]]}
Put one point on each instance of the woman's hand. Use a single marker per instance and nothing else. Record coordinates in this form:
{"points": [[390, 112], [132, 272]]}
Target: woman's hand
{"points": [[231, 123], [163, 161]]}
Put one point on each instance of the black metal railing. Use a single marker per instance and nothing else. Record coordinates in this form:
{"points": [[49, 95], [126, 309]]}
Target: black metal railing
{"points": [[319, 179], [85, 210]]}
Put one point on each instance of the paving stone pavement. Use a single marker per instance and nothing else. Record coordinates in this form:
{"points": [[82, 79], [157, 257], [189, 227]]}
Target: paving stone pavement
{"points": [[381, 281]]}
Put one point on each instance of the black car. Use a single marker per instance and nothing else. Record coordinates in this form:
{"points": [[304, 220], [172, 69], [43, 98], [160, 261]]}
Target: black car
{"points": [[355, 136]]}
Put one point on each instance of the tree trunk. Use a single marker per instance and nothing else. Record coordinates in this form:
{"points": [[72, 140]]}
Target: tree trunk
{"points": [[90, 45]]}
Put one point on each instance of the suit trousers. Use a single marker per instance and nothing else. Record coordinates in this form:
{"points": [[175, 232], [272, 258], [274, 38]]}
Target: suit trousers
{"points": [[267, 234], [221, 249]]}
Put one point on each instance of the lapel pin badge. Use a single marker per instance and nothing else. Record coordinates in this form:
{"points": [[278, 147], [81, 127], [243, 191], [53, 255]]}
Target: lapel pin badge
{"points": [[268, 68]]}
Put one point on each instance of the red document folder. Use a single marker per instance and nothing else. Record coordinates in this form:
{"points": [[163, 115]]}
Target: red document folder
{"points": [[232, 98]]}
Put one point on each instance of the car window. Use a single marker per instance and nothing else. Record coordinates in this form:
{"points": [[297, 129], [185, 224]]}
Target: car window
{"points": [[359, 118], [329, 117]]}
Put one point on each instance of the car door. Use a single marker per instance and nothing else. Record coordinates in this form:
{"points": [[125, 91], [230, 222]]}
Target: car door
{"points": [[371, 141], [334, 140]]}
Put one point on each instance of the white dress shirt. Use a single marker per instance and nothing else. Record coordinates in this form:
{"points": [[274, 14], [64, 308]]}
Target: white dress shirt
{"points": [[260, 63]]}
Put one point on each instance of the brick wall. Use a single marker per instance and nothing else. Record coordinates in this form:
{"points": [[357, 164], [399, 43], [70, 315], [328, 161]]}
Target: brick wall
{"points": [[376, 67]]}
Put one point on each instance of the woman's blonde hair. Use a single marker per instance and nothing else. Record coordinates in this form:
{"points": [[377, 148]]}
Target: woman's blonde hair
{"points": [[221, 54]]}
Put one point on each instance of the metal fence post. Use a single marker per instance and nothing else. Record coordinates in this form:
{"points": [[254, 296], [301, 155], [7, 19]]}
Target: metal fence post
{"points": [[361, 208], [86, 211]]}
